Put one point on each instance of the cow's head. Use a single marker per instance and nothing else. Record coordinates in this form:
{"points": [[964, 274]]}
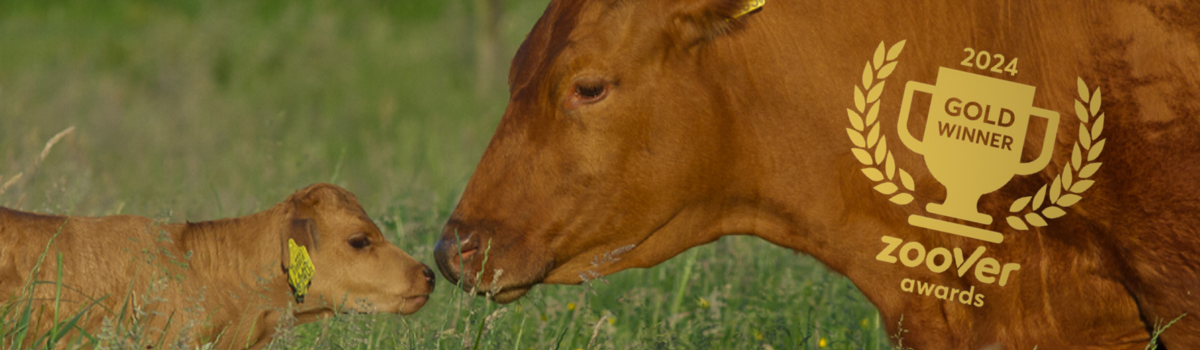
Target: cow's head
{"points": [[616, 147]]}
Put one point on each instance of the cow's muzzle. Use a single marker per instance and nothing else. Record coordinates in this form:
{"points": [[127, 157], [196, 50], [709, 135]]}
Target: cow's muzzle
{"points": [[455, 250], [473, 257]]}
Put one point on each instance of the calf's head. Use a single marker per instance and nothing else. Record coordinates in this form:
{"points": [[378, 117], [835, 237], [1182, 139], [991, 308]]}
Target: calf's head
{"points": [[615, 148], [355, 267]]}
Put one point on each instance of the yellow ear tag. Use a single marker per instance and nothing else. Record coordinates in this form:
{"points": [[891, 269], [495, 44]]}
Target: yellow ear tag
{"points": [[300, 270], [750, 6]]}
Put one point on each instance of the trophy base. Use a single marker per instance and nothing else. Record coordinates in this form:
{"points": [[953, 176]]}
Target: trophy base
{"points": [[957, 229], [957, 213]]}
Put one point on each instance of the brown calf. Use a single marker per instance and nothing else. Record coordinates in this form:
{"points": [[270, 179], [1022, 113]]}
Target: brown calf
{"points": [[222, 281]]}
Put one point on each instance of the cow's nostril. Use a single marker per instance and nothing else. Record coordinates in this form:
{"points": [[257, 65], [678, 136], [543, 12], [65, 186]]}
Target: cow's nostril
{"points": [[467, 253], [444, 253]]}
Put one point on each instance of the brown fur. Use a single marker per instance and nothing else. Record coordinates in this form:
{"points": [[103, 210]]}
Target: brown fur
{"points": [[211, 279]]}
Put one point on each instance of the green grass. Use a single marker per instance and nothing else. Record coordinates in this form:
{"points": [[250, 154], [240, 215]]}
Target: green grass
{"points": [[200, 110]]}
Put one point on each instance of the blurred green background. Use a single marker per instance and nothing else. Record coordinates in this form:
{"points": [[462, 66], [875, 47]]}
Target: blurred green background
{"points": [[197, 110]]}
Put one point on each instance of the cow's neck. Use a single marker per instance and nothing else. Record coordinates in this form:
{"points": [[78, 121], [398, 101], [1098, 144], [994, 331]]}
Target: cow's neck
{"points": [[812, 196]]}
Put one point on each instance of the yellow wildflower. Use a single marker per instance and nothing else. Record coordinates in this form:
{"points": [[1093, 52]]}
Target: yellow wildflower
{"points": [[822, 343], [704, 304], [570, 306]]}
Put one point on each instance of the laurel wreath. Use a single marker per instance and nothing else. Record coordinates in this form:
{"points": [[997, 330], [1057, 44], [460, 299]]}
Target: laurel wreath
{"points": [[880, 167], [1067, 187], [870, 147]]}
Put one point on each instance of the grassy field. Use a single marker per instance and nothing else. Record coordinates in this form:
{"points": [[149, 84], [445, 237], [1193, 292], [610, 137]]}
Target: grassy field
{"points": [[200, 110]]}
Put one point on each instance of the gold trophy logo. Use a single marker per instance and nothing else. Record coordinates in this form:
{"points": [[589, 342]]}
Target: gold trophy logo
{"points": [[973, 140]]}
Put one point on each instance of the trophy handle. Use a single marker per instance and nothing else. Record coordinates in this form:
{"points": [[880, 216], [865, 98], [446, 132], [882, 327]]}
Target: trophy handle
{"points": [[911, 142], [1047, 145]]}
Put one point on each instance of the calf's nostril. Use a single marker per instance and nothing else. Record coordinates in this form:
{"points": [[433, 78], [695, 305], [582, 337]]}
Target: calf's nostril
{"points": [[429, 277]]}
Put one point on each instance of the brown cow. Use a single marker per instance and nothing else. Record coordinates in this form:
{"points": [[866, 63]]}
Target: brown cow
{"points": [[224, 281], [639, 129]]}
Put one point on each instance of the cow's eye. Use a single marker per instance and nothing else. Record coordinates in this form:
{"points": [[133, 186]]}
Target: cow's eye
{"points": [[588, 91], [359, 241]]}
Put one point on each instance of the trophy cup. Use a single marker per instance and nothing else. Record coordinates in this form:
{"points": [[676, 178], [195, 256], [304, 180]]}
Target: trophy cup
{"points": [[972, 144]]}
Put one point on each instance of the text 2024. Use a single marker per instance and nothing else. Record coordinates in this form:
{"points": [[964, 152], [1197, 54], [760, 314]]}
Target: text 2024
{"points": [[983, 60]]}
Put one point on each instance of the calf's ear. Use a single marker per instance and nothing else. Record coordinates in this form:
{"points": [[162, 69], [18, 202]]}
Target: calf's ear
{"points": [[298, 240], [306, 205], [699, 21], [300, 224], [303, 232]]}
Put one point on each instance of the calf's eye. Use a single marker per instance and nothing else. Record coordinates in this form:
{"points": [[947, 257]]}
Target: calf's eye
{"points": [[359, 241]]}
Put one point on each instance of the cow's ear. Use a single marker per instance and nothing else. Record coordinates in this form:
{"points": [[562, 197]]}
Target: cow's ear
{"points": [[696, 22]]}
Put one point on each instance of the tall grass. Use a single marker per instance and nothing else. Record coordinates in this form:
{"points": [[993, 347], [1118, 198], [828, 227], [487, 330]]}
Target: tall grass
{"points": [[20, 326], [199, 110]]}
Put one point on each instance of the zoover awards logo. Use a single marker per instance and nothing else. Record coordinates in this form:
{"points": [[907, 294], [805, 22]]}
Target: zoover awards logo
{"points": [[973, 139]]}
